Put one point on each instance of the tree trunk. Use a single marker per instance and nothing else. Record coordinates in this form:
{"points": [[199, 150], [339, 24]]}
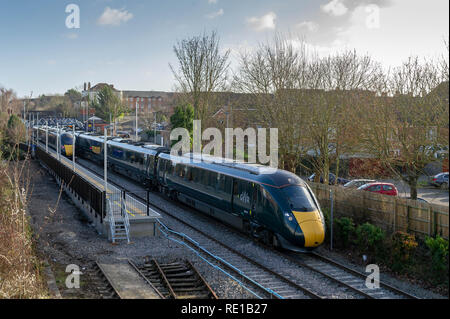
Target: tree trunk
{"points": [[337, 169], [413, 187]]}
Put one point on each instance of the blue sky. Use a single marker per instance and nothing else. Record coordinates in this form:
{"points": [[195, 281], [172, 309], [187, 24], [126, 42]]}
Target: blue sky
{"points": [[130, 43]]}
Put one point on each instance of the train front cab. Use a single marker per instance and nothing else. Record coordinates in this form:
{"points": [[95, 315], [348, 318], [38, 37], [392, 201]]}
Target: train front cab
{"points": [[302, 225], [66, 144]]}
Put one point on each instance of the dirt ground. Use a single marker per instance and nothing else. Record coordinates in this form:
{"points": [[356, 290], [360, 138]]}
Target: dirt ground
{"points": [[58, 227], [65, 237]]}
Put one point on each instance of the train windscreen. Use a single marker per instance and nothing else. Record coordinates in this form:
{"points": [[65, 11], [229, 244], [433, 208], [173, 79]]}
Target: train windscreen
{"points": [[66, 140], [299, 198]]}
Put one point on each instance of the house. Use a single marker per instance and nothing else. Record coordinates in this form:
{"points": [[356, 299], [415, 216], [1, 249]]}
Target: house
{"points": [[147, 102]]}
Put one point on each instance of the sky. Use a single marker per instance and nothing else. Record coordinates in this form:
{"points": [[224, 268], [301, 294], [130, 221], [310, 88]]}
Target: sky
{"points": [[44, 50]]}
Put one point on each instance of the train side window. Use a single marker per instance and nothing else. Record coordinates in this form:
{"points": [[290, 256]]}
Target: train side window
{"points": [[205, 178], [212, 180], [189, 174], [196, 175], [221, 183]]}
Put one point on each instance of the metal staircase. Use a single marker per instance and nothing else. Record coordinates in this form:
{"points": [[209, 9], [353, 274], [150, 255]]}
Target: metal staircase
{"points": [[119, 222]]}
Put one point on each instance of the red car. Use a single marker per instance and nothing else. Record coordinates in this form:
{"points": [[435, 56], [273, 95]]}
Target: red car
{"points": [[381, 188]]}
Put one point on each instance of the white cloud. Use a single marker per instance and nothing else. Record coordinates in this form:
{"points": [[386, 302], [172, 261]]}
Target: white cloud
{"points": [[215, 14], [334, 8], [212, 1], [402, 30], [309, 25], [114, 17], [267, 21]]}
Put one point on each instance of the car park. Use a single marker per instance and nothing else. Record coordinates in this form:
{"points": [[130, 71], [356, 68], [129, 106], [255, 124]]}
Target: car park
{"points": [[331, 179]]}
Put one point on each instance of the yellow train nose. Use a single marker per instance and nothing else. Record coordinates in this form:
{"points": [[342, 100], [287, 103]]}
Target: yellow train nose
{"points": [[69, 150], [312, 227]]}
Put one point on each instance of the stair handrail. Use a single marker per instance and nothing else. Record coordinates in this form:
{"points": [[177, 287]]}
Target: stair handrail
{"points": [[126, 220], [112, 223]]}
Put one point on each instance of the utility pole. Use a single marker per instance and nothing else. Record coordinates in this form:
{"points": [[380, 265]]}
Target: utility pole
{"points": [[46, 137], [105, 164], [57, 141], [73, 147], [37, 131], [136, 133], [154, 133]]}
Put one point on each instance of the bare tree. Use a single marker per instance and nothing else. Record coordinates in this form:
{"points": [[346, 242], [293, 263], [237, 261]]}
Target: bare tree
{"points": [[202, 70], [406, 127], [335, 84], [273, 75]]}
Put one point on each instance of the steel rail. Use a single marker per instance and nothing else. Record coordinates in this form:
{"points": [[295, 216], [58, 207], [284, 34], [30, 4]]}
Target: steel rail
{"points": [[362, 275], [279, 276], [325, 259], [145, 278]]}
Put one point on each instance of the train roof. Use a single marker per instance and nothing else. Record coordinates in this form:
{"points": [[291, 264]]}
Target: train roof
{"points": [[149, 149], [252, 172]]}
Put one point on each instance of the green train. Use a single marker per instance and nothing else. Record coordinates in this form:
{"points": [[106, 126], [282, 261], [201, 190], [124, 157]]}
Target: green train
{"points": [[276, 207]]}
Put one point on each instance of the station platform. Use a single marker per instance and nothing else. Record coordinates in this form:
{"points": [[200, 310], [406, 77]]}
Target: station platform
{"points": [[127, 282], [142, 218]]}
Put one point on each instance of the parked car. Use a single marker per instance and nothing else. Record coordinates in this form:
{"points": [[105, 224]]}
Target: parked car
{"points": [[419, 199], [440, 180], [381, 188], [358, 183], [331, 179]]}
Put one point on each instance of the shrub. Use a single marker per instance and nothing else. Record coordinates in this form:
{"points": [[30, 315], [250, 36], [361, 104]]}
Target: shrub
{"points": [[345, 229], [403, 246], [369, 238], [439, 256]]}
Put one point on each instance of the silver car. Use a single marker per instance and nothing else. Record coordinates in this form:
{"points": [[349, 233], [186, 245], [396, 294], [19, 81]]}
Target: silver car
{"points": [[356, 183]]}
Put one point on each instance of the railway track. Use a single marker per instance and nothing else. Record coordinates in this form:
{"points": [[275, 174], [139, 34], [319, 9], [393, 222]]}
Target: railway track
{"points": [[101, 282], [263, 279], [176, 280], [338, 269]]}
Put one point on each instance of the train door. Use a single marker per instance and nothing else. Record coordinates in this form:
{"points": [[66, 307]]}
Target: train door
{"points": [[242, 198]]}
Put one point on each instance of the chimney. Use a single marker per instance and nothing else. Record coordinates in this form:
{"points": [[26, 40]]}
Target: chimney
{"points": [[89, 85], [84, 86]]}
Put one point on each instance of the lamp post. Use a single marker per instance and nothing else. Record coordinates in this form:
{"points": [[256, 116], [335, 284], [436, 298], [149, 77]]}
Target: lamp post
{"points": [[37, 131], [154, 133], [46, 137], [57, 142], [105, 159], [136, 128], [73, 147]]}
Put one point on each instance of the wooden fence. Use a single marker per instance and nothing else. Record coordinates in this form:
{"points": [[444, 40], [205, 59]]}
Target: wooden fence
{"points": [[388, 212]]}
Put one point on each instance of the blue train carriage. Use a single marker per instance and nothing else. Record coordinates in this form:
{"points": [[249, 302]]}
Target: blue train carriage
{"points": [[137, 161], [89, 147], [278, 208]]}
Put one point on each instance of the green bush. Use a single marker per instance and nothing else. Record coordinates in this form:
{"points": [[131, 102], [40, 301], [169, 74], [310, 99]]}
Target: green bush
{"points": [[345, 228], [369, 238], [403, 246], [439, 257]]}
